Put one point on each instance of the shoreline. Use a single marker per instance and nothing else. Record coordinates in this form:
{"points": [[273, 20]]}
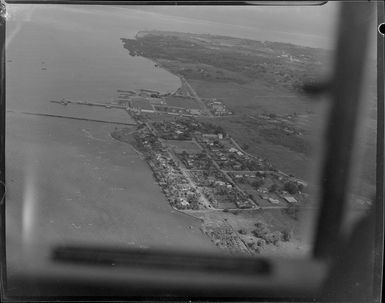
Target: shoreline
{"points": [[159, 65]]}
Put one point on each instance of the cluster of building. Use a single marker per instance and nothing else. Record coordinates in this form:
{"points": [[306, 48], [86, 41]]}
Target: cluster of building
{"points": [[229, 157], [219, 190], [173, 130], [145, 93], [218, 108], [172, 109], [175, 185], [283, 121], [224, 237], [208, 178], [198, 161], [185, 129], [219, 174], [160, 103], [153, 101], [270, 187], [205, 173]]}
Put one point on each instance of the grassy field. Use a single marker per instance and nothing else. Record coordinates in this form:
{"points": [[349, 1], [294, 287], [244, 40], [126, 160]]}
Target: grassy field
{"points": [[220, 58], [182, 102], [253, 98], [188, 146], [246, 131], [141, 103], [292, 142]]}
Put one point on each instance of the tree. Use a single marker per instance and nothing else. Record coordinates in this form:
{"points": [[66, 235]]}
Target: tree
{"points": [[261, 230], [291, 187], [287, 235], [258, 183], [259, 224], [273, 188], [256, 248], [293, 211], [273, 237], [201, 155], [242, 231], [260, 174], [232, 157], [300, 187], [219, 130], [242, 180], [260, 242]]}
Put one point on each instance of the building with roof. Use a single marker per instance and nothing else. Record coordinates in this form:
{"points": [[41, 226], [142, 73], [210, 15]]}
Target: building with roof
{"points": [[290, 199]]}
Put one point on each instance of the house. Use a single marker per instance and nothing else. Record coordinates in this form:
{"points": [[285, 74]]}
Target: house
{"points": [[210, 179], [209, 136], [262, 190], [290, 199], [273, 201], [195, 111], [184, 202], [237, 166], [300, 182], [220, 183]]}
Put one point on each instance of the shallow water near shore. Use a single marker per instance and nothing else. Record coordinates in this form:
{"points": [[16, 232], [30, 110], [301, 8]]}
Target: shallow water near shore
{"points": [[69, 181]]}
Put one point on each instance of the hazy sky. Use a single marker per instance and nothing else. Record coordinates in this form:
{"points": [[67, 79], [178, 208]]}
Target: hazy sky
{"points": [[309, 21], [305, 25], [304, 20], [313, 25]]}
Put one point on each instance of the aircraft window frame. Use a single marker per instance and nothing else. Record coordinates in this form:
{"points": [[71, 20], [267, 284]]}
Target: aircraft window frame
{"points": [[334, 186]]}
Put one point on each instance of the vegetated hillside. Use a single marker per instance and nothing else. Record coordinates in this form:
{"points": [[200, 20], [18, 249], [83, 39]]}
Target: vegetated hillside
{"points": [[234, 59]]}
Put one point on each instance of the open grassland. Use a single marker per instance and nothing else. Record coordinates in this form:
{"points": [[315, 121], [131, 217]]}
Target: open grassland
{"points": [[142, 104], [247, 132], [184, 146], [253, 98], [182, 102], [234, 59]]}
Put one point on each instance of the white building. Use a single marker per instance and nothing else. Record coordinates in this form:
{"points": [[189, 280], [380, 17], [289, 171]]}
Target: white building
{"points": [[290, 199]]}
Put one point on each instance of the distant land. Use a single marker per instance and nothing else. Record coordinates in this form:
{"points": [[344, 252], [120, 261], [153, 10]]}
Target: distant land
{"points": [[234, 59]]}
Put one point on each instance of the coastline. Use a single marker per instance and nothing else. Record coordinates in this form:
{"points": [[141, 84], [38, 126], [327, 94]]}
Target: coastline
{"points": [[159, 65]]}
